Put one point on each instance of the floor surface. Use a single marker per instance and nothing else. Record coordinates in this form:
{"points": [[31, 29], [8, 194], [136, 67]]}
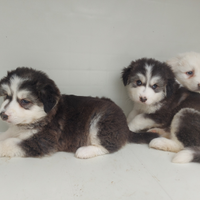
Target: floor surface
{"points": [[135, 172]]}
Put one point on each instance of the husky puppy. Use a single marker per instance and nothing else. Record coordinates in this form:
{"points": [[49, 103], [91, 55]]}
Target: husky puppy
{"points": [[186, 68], [162, 104], [42, 121]]}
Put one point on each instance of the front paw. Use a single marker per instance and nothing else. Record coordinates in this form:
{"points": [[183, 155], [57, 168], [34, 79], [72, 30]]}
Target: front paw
{"points": [[165, 144], [158, 143], [132, 127]]}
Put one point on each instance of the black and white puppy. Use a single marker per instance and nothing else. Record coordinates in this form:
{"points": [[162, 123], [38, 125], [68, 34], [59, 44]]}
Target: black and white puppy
{"points": [[42, 121], [160, 102]]}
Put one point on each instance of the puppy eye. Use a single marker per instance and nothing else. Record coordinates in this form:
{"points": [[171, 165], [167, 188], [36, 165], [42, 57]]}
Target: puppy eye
{"points": [[24, 102], [154, 86], [189, 73], [139, 83]]}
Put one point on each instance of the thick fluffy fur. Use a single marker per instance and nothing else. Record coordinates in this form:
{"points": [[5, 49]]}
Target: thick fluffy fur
{"points": [[43, 121], [175, 110], [186, 68]]}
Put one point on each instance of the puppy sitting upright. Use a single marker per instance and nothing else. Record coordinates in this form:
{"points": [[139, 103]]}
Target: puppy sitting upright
{"points": [[149, 84], [43, 121], [160, 102]]}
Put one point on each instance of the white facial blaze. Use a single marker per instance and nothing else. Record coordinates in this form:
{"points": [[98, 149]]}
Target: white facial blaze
{"points": [[2, 109], [146, 91], [16, 113]]}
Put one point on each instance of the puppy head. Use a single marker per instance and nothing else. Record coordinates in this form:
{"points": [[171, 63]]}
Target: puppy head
{"points": [[148, 81], [186, 68], [29, 95]]}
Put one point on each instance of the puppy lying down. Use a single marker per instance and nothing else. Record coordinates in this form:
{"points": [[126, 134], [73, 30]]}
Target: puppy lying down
{"points": [[42, 121], [162, 104]]}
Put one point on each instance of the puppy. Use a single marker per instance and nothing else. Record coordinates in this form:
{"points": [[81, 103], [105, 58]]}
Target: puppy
{"points": [[42, 121], [186, 68], [161, 103]]}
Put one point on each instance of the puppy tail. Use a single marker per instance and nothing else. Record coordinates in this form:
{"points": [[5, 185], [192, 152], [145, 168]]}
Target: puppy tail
{"points": [[142, 137], [187, 155]]}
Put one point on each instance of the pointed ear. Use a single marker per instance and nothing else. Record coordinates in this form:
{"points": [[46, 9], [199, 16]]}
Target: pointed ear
{"points": [[49, 96], [126, 72]]}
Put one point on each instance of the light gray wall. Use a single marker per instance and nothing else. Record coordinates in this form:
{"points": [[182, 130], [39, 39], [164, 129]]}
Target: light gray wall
{"points": [[84, 44]]}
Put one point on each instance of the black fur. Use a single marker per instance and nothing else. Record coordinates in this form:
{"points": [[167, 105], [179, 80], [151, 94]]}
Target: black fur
{"points": [[142, 137], [159, 68], [180, 106], [66, 126]]}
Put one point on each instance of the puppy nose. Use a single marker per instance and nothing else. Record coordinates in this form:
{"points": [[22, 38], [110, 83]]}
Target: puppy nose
{"points": [[143, 99], [4, 116]]}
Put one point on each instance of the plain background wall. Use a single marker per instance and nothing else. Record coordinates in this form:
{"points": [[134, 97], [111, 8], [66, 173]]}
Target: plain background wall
{"points": [[84, 44]]}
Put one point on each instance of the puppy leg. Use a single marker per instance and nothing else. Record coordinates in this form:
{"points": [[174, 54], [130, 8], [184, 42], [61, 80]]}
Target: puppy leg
{"points": [[12, 132], [4, 135], [186, 128], [184, 132], [160, 131], [166, 144], [95, 148], [140, 122], [131, 115], [90, 151], [10, 148]]}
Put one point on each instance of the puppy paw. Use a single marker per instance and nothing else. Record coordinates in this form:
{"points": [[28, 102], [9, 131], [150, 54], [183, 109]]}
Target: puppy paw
{"points": [[184, 156], [165, 144], [90, 152], [158, 143]]}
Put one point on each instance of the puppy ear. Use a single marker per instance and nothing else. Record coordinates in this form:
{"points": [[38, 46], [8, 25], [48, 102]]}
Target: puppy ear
{"points": [[172, 85], [126, 72], [170, 88], [49, 96]]}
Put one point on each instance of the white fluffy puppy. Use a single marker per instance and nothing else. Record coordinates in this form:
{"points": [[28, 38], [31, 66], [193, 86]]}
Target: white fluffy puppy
{"points": [[186, 68]]}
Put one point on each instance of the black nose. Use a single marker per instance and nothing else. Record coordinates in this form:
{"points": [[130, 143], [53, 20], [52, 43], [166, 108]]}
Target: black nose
{"points": [[143, 99], [4, 116]]}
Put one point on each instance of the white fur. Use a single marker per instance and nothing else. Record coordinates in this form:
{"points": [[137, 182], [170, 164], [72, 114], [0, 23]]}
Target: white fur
{"points": [[10, 139], [17, 114], [149, 106], [184, 156], [95, 148], [166, 144], [15, 82], [183, 63], [10, 148], [93, 131], [140, 123], [3, 105], [90, 151], [172, 144], [6, 88], [144, 91]]}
